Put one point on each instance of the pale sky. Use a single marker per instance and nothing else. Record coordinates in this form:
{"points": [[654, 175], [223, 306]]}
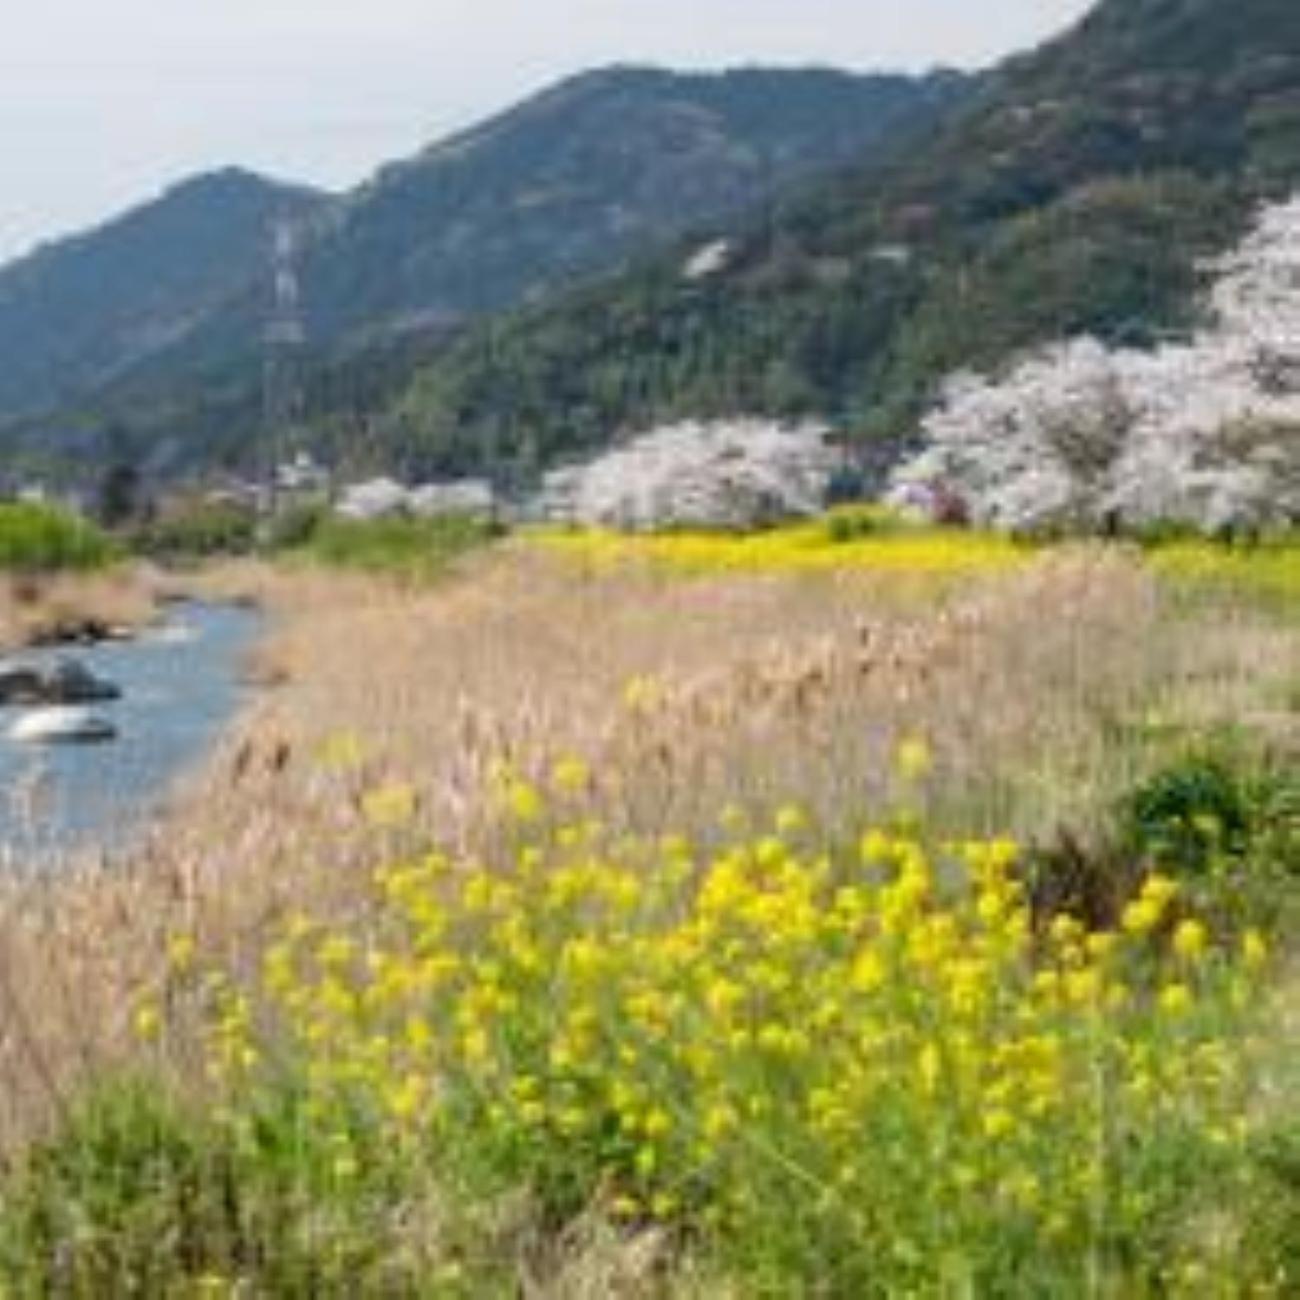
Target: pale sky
{"points": [[105, 102]]}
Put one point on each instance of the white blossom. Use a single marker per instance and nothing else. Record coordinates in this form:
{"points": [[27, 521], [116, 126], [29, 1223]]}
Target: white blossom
{"points": [[727, 474], [385, 498], [1204, 433]]}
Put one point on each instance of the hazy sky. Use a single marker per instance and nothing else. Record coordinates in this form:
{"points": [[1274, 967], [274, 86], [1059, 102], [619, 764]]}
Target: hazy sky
{"points": [[104, 102]]}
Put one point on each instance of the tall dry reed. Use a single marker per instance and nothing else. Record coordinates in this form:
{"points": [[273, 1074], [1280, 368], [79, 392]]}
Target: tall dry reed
{"points": [[1037, 692]]}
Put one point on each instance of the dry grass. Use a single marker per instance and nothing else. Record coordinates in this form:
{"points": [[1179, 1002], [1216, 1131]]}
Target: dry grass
{"points": [[1039, 691], [36, 608]]}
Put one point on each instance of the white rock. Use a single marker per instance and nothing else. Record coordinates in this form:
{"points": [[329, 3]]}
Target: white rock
{"points": [[61, 725]]}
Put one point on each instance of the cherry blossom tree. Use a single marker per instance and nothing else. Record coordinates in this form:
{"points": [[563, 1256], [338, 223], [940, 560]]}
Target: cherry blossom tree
{"points": [[728, 473], [1204, 433]]}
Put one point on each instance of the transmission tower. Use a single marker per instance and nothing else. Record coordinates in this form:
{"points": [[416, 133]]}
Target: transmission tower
{"points": [[284, 338]]}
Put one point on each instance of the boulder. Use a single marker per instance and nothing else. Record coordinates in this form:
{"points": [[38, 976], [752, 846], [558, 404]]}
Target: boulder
{"points": [[75, 630], [66, 681], [62, 726], [71, 682], [20, 685]]}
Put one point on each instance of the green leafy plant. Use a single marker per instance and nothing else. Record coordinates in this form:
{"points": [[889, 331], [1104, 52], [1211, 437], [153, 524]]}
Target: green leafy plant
{"points": [[38, 539]]}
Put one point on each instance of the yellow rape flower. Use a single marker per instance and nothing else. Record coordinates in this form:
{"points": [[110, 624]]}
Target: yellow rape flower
{"points": [[913, 759], [180, 953], [1190, 940], [1254, 950], [341, 752], [641, 694], [570, 776], [524, 802], [147, 1021], [791, 819], [389, 806]]}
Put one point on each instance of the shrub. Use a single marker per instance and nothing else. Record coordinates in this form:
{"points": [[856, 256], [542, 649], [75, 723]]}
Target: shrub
{"points": [[198, 531], [1225, 824], [849, 523], [295, 527], [1213, 814], [38, 538]]}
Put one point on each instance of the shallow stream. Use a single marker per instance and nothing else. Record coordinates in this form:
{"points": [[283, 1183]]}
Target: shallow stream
{"points": [[181, 683]]}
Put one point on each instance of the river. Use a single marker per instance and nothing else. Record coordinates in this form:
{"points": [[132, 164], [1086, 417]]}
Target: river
{"points": [[181, 684]]}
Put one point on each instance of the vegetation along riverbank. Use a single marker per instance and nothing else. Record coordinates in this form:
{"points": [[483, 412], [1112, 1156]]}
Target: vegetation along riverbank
{"points": [[684, 916], [61, 579]]}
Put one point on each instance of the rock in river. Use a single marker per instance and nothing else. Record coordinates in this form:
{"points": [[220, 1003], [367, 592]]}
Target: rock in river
{"points": [[62, 725], [64, 682]]}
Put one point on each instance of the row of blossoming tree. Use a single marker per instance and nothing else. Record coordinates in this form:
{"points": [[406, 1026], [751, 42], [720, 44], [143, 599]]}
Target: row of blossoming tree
{"points": [[1203, 433]]}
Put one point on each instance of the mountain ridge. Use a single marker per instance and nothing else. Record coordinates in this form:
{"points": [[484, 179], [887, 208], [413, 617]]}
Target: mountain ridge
{"points": [[562, 186], [75, 310], [1075, 190]]}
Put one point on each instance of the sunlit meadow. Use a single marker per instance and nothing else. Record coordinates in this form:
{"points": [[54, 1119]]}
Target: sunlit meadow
{"points": [[698, 916]]}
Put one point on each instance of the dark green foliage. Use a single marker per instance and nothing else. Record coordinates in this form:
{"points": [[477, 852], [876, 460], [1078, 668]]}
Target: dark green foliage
{"points": [[1075, 188], [119, 497], [1220, 817], [602, 165], [1191, 813], [1223, 819], [197, 531], [40, 539]]}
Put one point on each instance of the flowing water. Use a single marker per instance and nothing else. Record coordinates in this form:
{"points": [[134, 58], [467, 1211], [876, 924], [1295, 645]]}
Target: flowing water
{"points": [[180, 682]]}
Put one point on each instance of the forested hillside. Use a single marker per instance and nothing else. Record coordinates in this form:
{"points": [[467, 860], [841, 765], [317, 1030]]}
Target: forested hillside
{"points": [[78, 312], [154, 325], [1077, 192]]}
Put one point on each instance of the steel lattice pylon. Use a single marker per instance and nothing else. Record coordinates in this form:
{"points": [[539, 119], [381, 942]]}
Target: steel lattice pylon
{"points": [[284, 338]]}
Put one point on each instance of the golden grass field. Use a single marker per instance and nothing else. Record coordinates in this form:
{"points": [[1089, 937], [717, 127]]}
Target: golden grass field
{"points": [[672, 687]]}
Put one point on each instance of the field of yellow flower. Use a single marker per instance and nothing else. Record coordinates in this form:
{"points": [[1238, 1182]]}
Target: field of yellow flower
{"points": [[816, 547], [874, 1066], [871, 542]]}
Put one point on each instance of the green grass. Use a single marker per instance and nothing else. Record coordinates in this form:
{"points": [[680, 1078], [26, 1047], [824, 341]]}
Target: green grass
{"points": [[42, 539], [415, 548]]}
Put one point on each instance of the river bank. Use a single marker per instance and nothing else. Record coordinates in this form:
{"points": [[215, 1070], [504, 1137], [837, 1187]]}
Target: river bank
{"points": [[399, 715], [76, 607], [169, 691]]}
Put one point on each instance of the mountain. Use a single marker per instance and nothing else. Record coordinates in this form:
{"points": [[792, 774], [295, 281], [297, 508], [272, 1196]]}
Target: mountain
{"points": [[155, 321], [1076, 190], [77, 313], [605, 164]]}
